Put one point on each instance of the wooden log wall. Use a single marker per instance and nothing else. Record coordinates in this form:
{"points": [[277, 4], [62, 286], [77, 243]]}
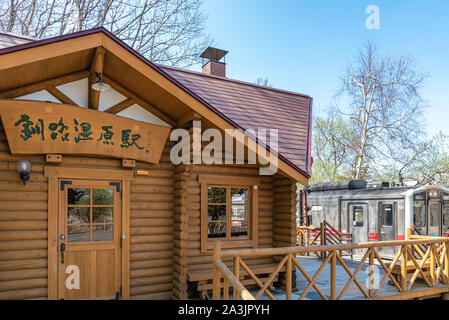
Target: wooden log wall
{"points": [[284, 208], [151, 265], [23, 228]]}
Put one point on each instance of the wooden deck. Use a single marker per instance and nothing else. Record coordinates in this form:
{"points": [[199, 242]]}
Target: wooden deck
{"points": [[420, 290]]}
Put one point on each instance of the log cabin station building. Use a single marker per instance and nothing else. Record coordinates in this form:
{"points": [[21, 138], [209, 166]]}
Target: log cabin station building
{"points": [[88, 187]]}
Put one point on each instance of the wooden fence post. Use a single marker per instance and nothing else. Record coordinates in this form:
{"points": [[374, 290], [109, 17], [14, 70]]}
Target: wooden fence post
{"points": [[217, 277], [334, 275], [404, 268], [446, 262], [288, 278], [237, 275], [322, 239], [409, 233], [371, 273], [433, 257]]}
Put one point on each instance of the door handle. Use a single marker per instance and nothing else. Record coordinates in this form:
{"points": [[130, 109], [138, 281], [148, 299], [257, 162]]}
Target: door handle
{"points": [[62, 249]]}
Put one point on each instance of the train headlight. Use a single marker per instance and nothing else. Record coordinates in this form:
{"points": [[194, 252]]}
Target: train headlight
{"points": [[433, 194]]}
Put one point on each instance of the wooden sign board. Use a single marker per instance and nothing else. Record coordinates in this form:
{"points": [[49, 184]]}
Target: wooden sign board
{"points": [[40, 128]]}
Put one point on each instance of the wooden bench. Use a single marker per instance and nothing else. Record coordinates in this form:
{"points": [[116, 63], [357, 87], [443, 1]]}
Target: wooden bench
{"points": [[411, 269], [201, 280]]}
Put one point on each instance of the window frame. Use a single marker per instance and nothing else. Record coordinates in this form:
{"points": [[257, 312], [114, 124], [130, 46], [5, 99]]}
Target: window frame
{"points": [[383, 214], [227, 181], [354, 207]]}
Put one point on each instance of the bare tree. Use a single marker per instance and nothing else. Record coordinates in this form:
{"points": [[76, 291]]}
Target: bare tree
{"points": [[331, 159], [263, 82], [165, 31], [385, 107], [431, 164]]}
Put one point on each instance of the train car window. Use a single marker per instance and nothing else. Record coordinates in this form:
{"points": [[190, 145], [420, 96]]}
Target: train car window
{"points": [[446, 214], [387, 215], [434, 215], [419, 213], [357, 216]]}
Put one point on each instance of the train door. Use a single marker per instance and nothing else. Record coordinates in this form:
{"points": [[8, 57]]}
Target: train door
{"points": [[358, 218], [434, 217], [445, 217], [387, 224]]}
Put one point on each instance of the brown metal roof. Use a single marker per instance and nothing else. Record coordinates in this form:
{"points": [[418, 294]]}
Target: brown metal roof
{"points": [[8, 39], [244, 105], [252, 106]]}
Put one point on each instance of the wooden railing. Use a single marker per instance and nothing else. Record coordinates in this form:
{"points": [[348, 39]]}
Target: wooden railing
{"points": [[432, 267], [323, 235]]}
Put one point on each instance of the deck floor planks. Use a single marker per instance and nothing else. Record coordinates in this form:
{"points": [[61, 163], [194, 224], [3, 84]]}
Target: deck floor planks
{"points": [[312, 264]]}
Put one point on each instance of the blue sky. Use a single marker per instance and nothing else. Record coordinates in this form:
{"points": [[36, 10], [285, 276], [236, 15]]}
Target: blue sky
{"points": [[304, 46]]}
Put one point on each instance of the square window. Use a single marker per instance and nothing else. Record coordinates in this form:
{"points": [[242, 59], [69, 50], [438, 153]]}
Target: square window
{"points": [[216, 195], [357, 216], [216, 213], [216, 230]]}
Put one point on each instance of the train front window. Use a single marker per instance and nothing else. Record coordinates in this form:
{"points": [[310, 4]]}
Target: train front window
{"points": [[419, 211], [434, 214], [387, 215], [357, 216]]}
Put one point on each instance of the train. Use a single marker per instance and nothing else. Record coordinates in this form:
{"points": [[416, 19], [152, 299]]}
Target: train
{"points": [[377, 212]]}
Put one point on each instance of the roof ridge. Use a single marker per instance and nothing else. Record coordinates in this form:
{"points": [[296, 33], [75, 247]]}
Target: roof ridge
{"points": [[234, 80], [15, 35]]}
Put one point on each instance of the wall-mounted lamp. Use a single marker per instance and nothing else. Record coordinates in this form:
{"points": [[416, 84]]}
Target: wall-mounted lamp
{"points": [[24, 168], [100, 85]]}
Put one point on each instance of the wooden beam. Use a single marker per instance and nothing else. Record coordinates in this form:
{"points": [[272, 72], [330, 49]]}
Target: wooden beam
{"points": [[128, 163], [189, 116], [121, 106], [43, 85], [143, 103], [95, 67], [58, 94], [53, 158]]}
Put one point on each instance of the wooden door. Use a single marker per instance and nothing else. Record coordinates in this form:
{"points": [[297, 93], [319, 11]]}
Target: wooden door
{"points": [[89, 239]]}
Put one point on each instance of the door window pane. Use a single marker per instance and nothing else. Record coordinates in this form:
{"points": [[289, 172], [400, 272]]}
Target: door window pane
{"points": [[102, 214], [239, 195], [102, 196], [419, 214], [216, 212], [102, 232], [77, 233], [357, 216], [77, 196], [387, 215], [216, 195], [78, 215], [216, 230], [434, 214]]}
